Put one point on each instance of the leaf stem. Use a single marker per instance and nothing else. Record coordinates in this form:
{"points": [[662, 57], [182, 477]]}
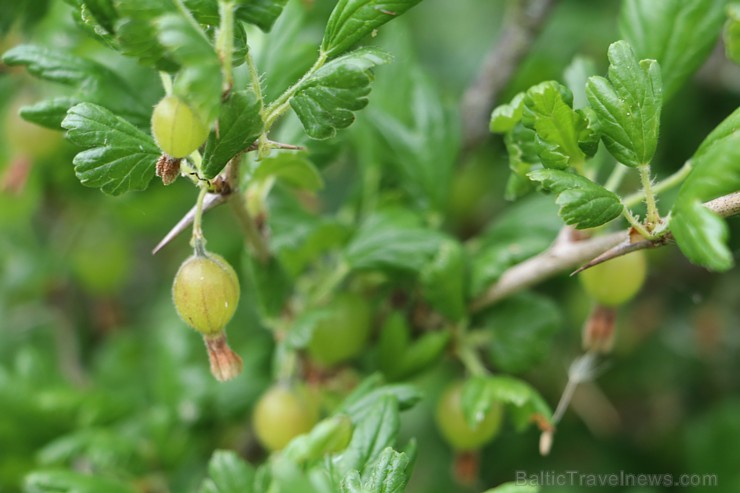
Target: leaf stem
{"points": [[673, 180], [470, 359], [225, 42], [282, 103], [636, 224], [653, 216], [166, 82]]}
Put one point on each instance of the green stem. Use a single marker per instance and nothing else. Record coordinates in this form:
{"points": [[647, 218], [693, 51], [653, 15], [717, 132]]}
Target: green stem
{"points": [[471, 360], [282, 103], [225, 41], [653, 216], [166, 82], [329, 283], [672, 181], [198, 241], [616, 177], [639, 227]]}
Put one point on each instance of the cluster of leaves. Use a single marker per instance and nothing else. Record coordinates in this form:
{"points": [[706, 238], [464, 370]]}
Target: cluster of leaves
{"points": [[387, 239], [550, 139]]}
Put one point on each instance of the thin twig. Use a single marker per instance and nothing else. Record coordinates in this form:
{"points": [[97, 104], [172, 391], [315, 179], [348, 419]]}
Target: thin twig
{"points": [[565, 255], [519, 33], [211, 200]]}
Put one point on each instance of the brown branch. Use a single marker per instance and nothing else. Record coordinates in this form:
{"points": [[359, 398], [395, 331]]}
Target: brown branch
{"points": [[519, 33], [565, 254]]}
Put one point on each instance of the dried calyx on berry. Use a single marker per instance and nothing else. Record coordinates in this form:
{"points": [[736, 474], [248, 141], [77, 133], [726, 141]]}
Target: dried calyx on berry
{"points": [[206, 293]]}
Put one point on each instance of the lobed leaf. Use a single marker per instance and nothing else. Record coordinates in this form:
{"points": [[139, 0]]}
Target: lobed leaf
{"points": [[92, 81], [679, 34], [387, 474], [583, 203], [700, 233], [325, 102], [377, 429], [49, 113], [521, 330], [628, 105], [561, 132], [239, 124], [394, 240], [352, 20], [444, 279], [229, 473], [261, 13], [199, 80], [118, 157], [524, 403]]}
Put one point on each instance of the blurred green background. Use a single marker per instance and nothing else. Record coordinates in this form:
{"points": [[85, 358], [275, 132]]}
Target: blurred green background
{"points": [[98, 374]]}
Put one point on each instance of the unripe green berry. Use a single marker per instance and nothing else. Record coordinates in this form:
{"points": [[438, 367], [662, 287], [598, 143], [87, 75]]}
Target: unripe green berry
{"points": [[283, 413], [206, 293], [455, 429], [176, 128], [343, 333], [615, 281]]}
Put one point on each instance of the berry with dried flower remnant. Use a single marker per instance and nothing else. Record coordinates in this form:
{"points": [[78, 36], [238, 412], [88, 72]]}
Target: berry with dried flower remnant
{"points": [[283, 413], [177, 129], [598, 330], [206, 292]]}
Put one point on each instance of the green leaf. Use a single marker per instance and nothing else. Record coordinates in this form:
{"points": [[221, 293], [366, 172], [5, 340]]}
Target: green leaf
{"points": [[92, 82], [199, 80], [229, 473], [628, 105], [289, 477], [424, 146], [60, 481], [239, 124], [271, 286], [293, 168], [583, 203], [377, 430], [325, 102], [521, 329], [49, 113], [103, 11], [136, 34], [352, 20], [118, 157], [261, 13], [299, 237], [524, 403], [506, 243], [330, 436], [731, 33], [679, 34], [514, 488], [444, 280], [506, 116], [387, 474], [700, 233], [393, 239], [422, 353], [358, 404], [560, 130]]}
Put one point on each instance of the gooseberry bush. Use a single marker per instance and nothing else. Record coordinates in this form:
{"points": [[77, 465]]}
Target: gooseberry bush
{"points": [[354, 193]]}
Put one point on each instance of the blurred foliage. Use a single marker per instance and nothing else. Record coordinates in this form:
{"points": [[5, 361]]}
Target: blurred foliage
{"points": [[97, 374]]}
